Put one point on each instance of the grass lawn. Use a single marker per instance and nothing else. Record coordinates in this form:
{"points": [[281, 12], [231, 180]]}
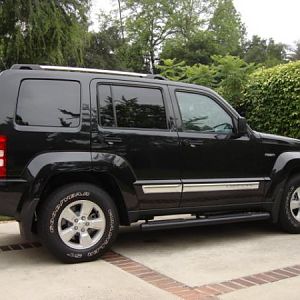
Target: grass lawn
{"points": [[5, 218]]}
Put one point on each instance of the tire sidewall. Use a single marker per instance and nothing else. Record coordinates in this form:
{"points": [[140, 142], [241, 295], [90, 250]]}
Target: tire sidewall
{"points": [[56, 204], [287, 212]]}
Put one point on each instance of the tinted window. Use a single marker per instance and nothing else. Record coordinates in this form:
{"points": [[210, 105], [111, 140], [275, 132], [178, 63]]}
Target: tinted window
{"points": [[106, 106], [49, 103], [135, 107], [201, 113]]}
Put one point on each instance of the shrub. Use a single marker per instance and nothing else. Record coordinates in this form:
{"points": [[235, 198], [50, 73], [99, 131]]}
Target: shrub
{"points": [[271, 100], [227, 75]]}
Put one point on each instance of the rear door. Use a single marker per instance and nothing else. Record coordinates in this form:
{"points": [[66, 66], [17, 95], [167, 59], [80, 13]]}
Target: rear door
{"points": [[134, 121]]}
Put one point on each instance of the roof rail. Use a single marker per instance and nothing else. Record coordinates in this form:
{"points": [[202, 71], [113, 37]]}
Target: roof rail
{"points": [[85, 70]]}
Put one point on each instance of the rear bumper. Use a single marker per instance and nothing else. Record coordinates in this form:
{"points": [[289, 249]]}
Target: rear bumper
{"points": [[11, 192]]}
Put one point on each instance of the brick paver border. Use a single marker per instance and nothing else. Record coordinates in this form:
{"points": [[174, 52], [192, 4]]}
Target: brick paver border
{"points": [[179, 289], [209, 291], [155, 278], [248, 281], [21, 246]]}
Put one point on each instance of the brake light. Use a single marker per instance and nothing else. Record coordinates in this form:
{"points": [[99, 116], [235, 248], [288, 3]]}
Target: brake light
{"points": [[3, 141]]}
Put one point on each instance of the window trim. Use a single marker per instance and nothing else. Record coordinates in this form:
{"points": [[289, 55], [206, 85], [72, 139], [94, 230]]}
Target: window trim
{"points": [[134, 85], [210, 96], [43, 128]]}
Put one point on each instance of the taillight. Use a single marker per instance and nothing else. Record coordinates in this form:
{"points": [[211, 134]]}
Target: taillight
{"points": [[3, 154]]}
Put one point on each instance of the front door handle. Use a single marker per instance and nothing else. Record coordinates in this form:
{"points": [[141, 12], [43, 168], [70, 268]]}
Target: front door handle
{"points": [[192, 143]]}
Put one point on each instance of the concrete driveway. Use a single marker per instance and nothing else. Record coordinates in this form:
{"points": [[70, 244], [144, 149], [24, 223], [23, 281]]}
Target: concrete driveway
{"points": [[238, 261]]}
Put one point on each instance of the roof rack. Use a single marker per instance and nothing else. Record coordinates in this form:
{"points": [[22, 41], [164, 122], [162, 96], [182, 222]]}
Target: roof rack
{"points": [[85, 70]]}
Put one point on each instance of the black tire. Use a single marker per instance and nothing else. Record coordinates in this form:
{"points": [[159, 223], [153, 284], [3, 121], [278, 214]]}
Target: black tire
{"points": [[51, 210], [287, 218]]}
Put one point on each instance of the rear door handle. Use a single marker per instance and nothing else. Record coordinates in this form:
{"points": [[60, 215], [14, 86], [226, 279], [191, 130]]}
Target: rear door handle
{"points": [[112, 140]]}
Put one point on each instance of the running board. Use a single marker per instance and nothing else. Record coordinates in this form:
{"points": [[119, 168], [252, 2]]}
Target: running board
{"points": [[211, 220]]}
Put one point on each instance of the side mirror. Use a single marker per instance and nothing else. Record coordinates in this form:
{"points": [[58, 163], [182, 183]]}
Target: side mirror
{"points": [[242, 126]]}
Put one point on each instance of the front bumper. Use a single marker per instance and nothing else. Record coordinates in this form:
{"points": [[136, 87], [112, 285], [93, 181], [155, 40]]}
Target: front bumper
{"points": [[11, 192]]}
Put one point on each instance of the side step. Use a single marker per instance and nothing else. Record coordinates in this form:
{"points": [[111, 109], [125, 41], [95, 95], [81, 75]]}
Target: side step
{"points": [[211, 220]]}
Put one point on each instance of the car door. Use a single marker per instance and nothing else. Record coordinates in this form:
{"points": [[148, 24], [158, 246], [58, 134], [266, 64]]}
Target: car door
{"points": [[134, 122], [218, 167]]}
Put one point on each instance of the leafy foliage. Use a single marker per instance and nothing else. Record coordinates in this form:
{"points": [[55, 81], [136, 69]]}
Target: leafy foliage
{"points": [[231, 74], [296, 52], [272, 100], [265, 52], [43, 31], [197, 49], [149, 24], [228, 75], [227, 28]]}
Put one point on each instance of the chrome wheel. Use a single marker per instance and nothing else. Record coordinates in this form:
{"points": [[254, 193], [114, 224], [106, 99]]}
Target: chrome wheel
{"points": [[81, 224], [295, 204]]}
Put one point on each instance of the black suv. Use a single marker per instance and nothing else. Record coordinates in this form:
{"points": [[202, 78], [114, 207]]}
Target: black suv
{"points": [[83, 151]]}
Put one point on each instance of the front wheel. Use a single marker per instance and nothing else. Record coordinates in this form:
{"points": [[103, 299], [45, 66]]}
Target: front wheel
{"points": [[290, 206], [78, 222]]}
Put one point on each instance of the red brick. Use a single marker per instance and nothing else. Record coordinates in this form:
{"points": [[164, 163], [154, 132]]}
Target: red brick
{"points": [[233, 285], [286, 273], [292, 269], [153, 276], [266, 277], [278, 276], [221, 288], [116, 260], [125, 264], [197, 296], [254, 280], [243, 282], [186, 294], [164, 281], [177, 289], [139, 273], [207, 289]]}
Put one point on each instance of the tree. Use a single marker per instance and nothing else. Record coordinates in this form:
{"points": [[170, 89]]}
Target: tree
{"points": [[43, 31], [108, 49], [227, 27], [265, 52], [103, 49], [192, 16], [296, 52], [149, 23], [198, 49], [228, 75], [231, 75]]}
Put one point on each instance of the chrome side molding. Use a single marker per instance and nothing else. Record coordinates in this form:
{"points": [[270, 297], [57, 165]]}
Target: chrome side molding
{"points": [[200, 187]]}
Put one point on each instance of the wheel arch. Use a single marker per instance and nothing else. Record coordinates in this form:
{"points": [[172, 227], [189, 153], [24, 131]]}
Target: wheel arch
{"points": [[102, 180], [30, 209], [286, 166]]}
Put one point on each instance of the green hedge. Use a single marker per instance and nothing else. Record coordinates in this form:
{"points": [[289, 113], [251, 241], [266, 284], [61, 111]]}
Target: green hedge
{"points": [[272, 100]]}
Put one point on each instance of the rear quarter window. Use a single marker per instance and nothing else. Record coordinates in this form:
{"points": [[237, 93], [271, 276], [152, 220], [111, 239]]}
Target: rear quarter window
{"points": [[48, 103]]}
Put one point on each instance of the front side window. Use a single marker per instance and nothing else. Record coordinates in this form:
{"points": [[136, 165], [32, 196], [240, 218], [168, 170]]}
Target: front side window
{"points": [[201, 113], [49, 103], [131, 107]]}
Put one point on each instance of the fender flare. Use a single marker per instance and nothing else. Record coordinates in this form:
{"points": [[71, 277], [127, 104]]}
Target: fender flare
{"points": [[284, 166], [45, 166]]}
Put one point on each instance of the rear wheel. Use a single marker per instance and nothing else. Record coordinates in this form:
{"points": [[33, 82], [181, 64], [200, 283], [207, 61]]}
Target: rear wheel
{"points": [[78, 222], [290, 206]]}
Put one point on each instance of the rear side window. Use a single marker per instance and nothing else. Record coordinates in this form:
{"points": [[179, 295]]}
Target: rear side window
{"points": [[49, 103], [131, 107]]}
